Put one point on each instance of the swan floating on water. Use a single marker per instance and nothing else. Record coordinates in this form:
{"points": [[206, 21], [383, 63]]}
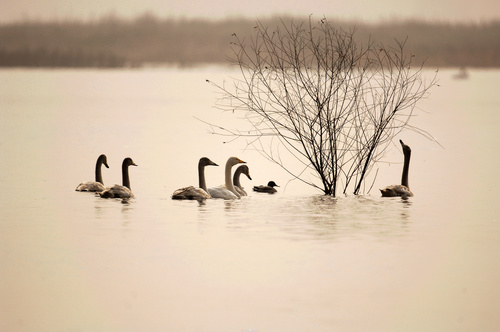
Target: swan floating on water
{"points": [[123, 191], [227, 191], [191, 192], [243, 169], [403, 189], [98, 185], [266, 189]]}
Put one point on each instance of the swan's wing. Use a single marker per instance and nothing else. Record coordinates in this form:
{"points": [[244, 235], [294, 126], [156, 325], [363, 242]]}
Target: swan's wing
{"points": [[90, 186], [221, 192], [107, 194], [179, 193], [117, 191], [396, 191], [190, 193]]}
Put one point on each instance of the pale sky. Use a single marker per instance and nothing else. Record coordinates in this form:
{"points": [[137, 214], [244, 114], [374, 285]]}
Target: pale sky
{"points": [[367, 10]]}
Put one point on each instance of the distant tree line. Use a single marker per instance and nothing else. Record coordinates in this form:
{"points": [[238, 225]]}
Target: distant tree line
{"points": [[148, 40], [41, 57]]}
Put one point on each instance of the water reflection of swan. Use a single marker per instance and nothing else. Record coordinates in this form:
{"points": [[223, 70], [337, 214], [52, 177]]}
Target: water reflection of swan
{"points": [[266, 189], [193, 192], [98, 185], [123, 191], [403, 189], [227, 191], [243, 169]]}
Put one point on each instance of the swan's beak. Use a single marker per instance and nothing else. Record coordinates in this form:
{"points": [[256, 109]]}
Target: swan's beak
{"points": [[106, 164], [241, 161], [213, 164], [134, 164]]}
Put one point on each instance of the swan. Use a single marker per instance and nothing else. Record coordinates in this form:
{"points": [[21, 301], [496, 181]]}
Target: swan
{"points": [[98, 184], [402, 189], [123, 191], [227, 191], [243, 169], [266, 189], [192, 192]]}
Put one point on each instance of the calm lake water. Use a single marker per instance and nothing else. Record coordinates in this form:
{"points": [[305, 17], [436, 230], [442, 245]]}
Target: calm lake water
{"points": [[294, 261]]}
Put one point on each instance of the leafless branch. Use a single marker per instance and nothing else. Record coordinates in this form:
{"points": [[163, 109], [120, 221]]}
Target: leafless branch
{"points": [[332, 103]]}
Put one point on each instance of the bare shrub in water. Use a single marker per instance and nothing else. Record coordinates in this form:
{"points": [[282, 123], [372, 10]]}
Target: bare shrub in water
{"points": [[311, 91]]}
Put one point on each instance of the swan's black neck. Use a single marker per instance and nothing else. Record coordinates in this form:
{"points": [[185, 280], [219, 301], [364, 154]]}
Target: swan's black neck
{"points": [[406, 169], [201, 177], [125, 177], [98, 174], [236, 177]]}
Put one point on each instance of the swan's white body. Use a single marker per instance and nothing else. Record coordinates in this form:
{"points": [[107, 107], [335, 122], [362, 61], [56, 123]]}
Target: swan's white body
{"points": [[122, 191], [192, 192], [222, 192], [266, 189], [227, 191], [96, 185], [243, 169], [403, 189]]}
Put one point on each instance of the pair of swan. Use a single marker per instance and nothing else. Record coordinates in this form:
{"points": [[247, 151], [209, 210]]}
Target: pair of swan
{"points": [[227, 191], [403, 189], [115, 191]]}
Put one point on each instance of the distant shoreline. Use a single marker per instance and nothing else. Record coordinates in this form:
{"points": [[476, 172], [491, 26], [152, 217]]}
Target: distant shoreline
{"points": [[118, 43]]}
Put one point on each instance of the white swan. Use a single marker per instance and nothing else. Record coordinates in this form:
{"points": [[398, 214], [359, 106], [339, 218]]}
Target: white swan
{"points": [[402, 189], [266, 189], [243, 169], [123, 191], [98, 185], [227, 191], [193, 192]]}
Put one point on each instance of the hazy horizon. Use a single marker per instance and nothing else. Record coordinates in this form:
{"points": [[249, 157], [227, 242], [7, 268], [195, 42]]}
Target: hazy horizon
{"points": [[362, 10]]}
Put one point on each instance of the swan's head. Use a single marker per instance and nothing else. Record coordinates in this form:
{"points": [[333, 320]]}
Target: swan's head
{"points": [[103, 160], [128, 162], [272, 184], [246, 171], [206, 162], [406, 148], [234, 161]]}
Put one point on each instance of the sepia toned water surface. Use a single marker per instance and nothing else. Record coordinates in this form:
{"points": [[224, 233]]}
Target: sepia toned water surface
{"points": [[293, 261]]}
